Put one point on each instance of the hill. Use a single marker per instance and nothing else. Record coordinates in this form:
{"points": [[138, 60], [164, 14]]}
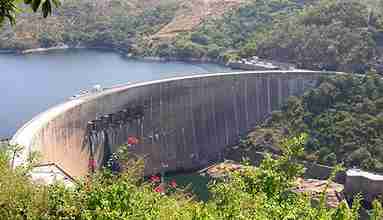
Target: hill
{"points": [[313, 34], [110, 23]]}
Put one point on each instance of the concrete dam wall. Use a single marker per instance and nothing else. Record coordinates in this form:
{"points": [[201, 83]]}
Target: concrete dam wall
{"points": [[183, 122]]}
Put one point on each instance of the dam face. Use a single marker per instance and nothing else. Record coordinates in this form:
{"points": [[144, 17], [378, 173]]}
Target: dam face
{"points": [[183, 122]]}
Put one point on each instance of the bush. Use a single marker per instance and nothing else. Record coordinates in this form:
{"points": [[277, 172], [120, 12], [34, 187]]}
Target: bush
{"points": [[187, 50], [249, 193]]}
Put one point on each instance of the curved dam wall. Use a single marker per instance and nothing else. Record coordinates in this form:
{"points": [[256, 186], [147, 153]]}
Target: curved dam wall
{"points": [[183, 122]]}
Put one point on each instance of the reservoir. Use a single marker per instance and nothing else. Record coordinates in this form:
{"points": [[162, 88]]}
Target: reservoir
{"points": [[32, 83]]}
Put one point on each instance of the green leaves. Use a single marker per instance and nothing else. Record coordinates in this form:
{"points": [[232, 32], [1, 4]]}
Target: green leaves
{"points": [[377, 212], [45, 5], [343, 119], [46, 8], [35, 4], [331, 35], [216, 36], [9, 8], [249, 193]]}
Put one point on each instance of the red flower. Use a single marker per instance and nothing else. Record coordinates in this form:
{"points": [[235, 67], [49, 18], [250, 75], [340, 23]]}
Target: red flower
{"points": [[92, 164], [159, 189], [173, 183], [132, 140], [155, 179]]}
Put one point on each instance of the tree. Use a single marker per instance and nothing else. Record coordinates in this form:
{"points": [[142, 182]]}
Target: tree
{"points": [[332, 35], [10, 8], [343, 116]]}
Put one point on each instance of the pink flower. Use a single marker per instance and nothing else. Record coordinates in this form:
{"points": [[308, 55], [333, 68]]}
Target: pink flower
{"points": [[236, 166], [159, 189], [132, 140], [155, 179], [92, 164], [173, 183]]}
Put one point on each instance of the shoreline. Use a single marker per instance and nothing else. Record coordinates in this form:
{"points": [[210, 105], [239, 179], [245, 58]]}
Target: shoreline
{"points": [[235, 65], [42, 49], [125, 54], [116, 50]]}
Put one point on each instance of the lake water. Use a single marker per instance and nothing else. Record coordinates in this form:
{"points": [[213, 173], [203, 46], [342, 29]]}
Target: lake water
{"points": [[30, 84]]}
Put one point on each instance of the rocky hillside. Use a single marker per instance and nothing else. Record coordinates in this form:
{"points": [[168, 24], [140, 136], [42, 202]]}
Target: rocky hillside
{"points": [[111, 23], [192, 13]]}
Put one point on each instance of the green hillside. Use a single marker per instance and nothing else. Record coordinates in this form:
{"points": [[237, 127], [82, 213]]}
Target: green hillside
{"points": [[313, 34], [343, 118]]}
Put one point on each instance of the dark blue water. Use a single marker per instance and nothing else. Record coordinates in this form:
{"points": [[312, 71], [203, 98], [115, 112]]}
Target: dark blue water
{"points": [[32, 83]]}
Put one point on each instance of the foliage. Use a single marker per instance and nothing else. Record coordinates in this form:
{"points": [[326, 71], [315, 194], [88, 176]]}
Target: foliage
{"points": [[118, 28], [322, 34], [249, 193], [313, 34], [103, 24], [377, 212], [343, 117], [265, 192], [333, 35], [7, 10], [216, 36], [46, 6], [10, 8], [19, 198]]}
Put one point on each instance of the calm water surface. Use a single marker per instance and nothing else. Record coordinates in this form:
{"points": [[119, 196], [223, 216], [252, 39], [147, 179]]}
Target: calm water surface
{"points": [[32, 83]]}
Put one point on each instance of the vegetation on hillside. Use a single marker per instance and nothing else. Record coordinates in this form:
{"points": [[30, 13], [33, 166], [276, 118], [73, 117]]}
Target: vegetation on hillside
{"points": [[85, 23], [334, 35], [326, 34], [340, 35], [216, 36], [343, 117], [262, 193]]}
